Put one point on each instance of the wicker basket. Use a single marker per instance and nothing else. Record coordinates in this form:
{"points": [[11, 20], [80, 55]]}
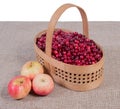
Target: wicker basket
{"points": [[79, 78]]}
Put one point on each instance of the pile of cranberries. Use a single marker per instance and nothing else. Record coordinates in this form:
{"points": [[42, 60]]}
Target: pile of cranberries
{"points": [[72, 48]]}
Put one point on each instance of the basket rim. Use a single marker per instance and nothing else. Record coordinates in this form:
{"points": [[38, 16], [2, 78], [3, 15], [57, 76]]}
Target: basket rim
{"points": [[60, 62]]}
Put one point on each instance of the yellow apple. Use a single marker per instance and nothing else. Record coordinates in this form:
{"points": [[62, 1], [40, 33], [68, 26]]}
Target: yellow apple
{"points": [[31, 68]]}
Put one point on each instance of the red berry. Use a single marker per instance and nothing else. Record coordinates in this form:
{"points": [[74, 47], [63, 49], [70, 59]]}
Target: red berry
{"points": [[72, 48]]}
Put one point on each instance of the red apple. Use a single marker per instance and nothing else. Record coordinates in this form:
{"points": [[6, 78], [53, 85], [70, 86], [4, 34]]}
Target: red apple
{"points": [[42, 84], [31, 69], [19, 87]]}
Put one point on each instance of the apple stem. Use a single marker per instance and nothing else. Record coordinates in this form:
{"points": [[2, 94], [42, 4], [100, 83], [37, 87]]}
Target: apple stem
{"points": [[42, 80], [21, 82]]}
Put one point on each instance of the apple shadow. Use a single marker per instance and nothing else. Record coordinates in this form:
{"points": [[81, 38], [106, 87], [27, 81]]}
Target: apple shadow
{"points": [[32, 93]]}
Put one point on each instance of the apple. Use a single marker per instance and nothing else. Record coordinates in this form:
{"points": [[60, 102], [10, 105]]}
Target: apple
{"points": [[31, 69], [42, 84], [19, 87]]}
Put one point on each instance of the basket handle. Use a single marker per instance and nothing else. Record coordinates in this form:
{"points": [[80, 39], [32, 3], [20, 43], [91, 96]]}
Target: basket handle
{"points": [[53, 22]]}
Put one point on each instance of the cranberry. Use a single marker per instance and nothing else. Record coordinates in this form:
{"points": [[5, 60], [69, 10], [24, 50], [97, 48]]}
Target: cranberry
{"points": [[72, 48]]}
